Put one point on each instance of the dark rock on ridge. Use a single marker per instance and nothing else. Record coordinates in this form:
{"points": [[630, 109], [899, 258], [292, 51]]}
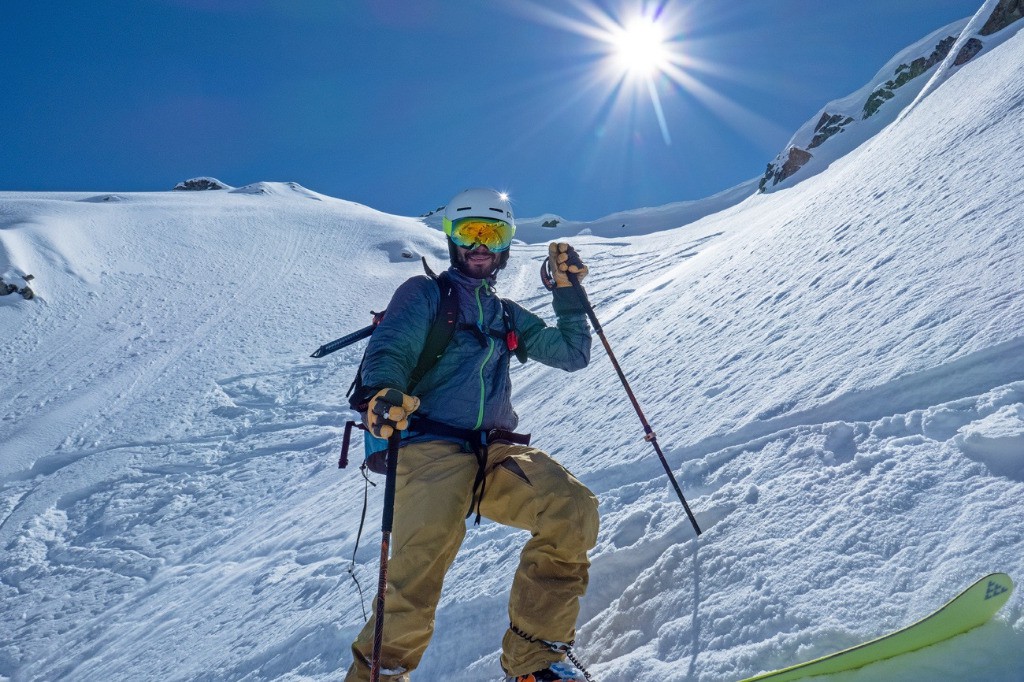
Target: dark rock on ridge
{"points": [[204, 183]]}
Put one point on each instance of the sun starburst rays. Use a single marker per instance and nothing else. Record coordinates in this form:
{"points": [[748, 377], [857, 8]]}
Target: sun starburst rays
{"points": [[651, 56]]}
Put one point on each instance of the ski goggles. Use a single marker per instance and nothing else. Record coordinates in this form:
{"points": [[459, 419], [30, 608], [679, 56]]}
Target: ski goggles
{"points": [[471, 232]]}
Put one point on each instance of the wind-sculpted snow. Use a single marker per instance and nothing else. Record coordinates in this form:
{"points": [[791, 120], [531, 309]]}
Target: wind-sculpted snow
{"points": [[835, 372], [845, 511]]}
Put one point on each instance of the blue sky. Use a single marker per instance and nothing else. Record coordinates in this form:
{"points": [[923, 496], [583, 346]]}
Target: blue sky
{"points": [[399, 105]]}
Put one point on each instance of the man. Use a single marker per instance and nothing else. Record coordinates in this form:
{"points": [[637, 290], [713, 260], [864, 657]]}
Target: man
{"points": [[459, 455]]}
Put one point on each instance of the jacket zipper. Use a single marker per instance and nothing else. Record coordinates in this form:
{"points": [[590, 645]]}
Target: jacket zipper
{"points": [[490, 352]]}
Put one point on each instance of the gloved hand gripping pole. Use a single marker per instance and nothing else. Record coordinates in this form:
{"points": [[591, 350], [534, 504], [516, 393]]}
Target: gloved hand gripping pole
{"points": [[650, 435]]}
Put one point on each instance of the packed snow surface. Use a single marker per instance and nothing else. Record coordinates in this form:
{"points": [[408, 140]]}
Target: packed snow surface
{"points": [[835, 371]]}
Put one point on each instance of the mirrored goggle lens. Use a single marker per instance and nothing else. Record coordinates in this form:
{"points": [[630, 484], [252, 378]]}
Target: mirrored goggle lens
{"points": [[496, 235]]}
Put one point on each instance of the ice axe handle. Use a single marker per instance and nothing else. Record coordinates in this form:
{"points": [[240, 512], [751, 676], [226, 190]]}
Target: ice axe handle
{"points": [[346, 340]]}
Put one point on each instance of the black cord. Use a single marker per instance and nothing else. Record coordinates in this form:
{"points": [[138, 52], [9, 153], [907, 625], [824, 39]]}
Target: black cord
{"points": [[359, 534]]}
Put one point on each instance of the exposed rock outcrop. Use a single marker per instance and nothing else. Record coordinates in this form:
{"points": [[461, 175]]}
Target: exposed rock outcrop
{"points": [[7, 288], [203, 183], [828, 126], [970, 49], [1005, 13], [776, 173], [906, 73]]}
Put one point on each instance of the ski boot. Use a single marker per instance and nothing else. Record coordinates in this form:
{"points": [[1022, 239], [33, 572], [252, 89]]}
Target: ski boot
{"points": [[563, 671]]}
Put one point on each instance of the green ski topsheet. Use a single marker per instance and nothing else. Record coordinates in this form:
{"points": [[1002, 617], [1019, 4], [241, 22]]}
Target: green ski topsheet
{"points": [[967, 610]]}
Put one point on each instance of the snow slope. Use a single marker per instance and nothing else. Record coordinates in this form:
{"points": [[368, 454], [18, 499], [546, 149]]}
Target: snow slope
{"points": [[835, 370]]}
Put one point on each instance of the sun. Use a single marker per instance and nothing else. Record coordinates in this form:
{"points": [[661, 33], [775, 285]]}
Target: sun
{"points": [[640, 48], [636, 50], [639, 51]]}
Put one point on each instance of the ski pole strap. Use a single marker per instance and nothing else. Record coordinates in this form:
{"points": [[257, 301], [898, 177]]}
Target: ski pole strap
{"points": [[480, 482]]}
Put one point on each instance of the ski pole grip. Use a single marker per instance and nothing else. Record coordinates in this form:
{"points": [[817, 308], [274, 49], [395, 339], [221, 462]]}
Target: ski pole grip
{"points": [[389, 484]]}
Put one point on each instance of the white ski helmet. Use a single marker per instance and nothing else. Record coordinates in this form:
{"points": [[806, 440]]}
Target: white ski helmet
{"points": [[478, 202]]}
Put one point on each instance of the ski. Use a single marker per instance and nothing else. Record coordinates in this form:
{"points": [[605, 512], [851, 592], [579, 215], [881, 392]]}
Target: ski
{"points": [[969, 609]]}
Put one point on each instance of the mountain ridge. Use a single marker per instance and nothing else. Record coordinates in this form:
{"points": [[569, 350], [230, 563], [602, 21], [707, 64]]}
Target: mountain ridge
{"points": [[832, 370]]}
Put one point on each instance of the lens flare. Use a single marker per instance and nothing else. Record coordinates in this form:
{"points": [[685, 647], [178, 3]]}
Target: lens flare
{"points": [[643, 52], [640, 48]]}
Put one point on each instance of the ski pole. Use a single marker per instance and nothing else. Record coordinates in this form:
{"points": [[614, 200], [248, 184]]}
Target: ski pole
{"points": [[650, 435], [387, 522]]}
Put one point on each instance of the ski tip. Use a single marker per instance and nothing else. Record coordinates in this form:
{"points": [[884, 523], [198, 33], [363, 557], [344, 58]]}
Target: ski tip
{"points": [[997, 586]]}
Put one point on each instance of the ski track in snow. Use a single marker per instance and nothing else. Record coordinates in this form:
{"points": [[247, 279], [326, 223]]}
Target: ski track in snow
{"points": [[835, 372]]}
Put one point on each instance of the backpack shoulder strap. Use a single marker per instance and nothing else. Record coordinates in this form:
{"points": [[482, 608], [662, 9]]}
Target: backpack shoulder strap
{"points": [[441, 331], [512, 339]]}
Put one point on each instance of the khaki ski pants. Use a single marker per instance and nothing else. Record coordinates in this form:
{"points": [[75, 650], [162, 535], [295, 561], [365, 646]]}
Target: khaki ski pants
{"points": [[524, 488]]}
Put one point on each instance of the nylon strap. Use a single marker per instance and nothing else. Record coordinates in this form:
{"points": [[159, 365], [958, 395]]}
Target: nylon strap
{"points": [[441, 331]]}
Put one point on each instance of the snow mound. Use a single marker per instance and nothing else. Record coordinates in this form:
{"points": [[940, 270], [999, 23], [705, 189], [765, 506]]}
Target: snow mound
{"points": [[105, 199], [279, 189], [997, 440]]}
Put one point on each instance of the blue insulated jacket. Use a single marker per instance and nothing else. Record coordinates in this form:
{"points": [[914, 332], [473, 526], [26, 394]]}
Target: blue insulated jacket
{"points": [[469, 387]]}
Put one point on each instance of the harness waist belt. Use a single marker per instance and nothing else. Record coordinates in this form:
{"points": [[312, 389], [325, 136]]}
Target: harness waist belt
{"points": [[479, 440], [473, 436]]}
